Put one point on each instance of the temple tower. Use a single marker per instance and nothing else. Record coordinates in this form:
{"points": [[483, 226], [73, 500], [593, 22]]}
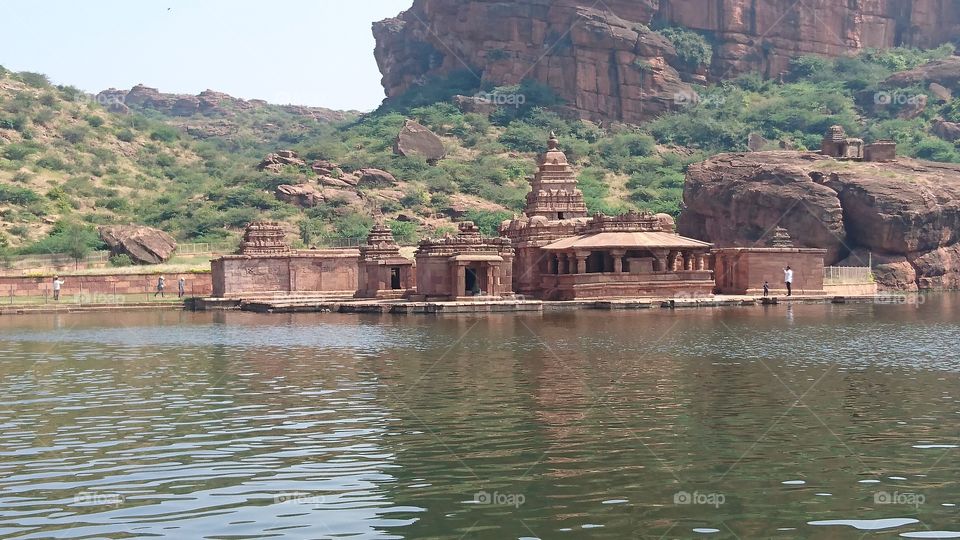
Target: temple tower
{"points": [[554, 194]]}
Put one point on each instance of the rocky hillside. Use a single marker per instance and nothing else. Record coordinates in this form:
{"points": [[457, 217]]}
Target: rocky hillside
{"points": [[631, 60], [906, 214]]}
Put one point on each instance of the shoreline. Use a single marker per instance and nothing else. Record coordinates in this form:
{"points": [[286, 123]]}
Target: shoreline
{"points": [[479, 306]]}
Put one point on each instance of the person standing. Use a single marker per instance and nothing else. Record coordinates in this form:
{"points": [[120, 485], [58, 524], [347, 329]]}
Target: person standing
{"points": [[788, 279], [57, 285], [766, 289], [181, 287], [161, 285]]}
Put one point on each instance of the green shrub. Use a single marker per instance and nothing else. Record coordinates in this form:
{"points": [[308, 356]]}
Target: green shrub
{"points": [[18, 195], [404, 232], [15, 122], [488, 222], [523, 137], [17, 152], [126, 135], [36, 80], [164, 134], [692, 48], [121, 260], [94, 120], [75, 134], [52, 163]]}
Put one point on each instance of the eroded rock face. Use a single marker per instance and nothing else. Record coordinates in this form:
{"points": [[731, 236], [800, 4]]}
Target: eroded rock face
{"points": [[415, 139], [603, 59], [905, 213], [144, 245]]}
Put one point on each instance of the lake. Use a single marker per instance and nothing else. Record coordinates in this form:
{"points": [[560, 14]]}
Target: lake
{"points": [[805, 421]]}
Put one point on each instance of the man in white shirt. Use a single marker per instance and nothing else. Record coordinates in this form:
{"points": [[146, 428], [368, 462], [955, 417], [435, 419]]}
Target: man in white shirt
{"points": [[788, 279], [57, 285]]}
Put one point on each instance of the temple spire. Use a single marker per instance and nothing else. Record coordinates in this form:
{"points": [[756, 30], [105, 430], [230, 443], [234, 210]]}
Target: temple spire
{"points": [[554, 192]]}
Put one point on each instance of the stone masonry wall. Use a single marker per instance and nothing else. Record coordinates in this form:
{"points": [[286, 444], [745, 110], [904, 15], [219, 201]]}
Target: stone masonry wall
{"points": [[100, 287]]}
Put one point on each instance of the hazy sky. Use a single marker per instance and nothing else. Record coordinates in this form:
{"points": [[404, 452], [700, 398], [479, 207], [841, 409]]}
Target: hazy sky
{"points": [[306, 52]]}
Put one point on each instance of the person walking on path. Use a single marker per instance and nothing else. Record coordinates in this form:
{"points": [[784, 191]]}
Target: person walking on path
{"points": [[788, 279], [161, 285], [766, 289], [181, 287], [57, 285]]}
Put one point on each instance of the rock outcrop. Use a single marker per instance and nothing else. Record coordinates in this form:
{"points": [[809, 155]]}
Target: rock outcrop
{"points": [[606, 62], [206, 103], [276, 161], [144, 245], [906, 214], [302, 195], [417, 140]]}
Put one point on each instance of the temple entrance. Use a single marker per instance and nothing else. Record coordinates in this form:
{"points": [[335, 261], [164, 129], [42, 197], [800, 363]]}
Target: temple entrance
{"points": [[474, 280], [395, 278]]}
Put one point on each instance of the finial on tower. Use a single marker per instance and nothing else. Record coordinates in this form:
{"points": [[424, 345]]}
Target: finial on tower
{"points": [[552, 143]]}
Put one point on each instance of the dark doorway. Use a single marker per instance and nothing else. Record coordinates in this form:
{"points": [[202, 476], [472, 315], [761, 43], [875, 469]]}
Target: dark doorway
{"points": [[395, 278], [470, 280]]}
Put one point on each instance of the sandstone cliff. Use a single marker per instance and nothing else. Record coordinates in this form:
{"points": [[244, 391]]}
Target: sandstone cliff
{"points": [[906, 213], [603, 59]]}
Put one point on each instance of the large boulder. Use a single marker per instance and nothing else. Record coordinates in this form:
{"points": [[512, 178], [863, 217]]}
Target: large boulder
{"points": [[948, 131], [375, 178], [904, 214], [416, 140], [302, 195], [144, 245]]}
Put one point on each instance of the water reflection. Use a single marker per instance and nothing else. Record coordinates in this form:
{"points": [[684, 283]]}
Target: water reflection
{"points": [[769, 422]]}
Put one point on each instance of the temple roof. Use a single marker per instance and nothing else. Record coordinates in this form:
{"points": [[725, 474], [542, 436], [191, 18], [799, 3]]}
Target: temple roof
{"points": [[626, 240]]}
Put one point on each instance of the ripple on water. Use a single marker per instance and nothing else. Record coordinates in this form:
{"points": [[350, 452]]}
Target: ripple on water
{"points": [[931, 534], [867, 524]]}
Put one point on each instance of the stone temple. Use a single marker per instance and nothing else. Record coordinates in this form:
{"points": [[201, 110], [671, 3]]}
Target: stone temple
{"points": [[564, 254], [555, 251]]}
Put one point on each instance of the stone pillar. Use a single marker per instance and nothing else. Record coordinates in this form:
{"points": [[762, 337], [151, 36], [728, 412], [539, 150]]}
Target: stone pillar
{"points": [[662, 260], [701, 261], [582, 262], [688, 261], [672, 261], [459, 279], [563, 266], [491, 284], [618, 260]]}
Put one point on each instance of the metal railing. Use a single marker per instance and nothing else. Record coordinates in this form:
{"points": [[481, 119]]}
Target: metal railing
{"points": [[841, 275]]}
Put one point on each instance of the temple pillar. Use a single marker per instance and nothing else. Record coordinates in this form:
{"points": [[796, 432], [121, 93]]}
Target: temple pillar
{"points": [[672, 261], [582, 262], [563, 264], [459, 280], [618, 260], [662, 262], [688, 261], [701, 261]]}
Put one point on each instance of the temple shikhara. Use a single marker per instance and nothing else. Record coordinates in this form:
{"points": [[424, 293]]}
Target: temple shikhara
{"points": [[554, 251]]}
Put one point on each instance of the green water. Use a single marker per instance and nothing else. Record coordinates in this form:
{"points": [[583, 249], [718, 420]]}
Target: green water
{"points": [[712, 423]]}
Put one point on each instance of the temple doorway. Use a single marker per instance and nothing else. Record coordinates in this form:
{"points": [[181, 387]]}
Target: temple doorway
{"points": [[395, 278], [474, 280]]}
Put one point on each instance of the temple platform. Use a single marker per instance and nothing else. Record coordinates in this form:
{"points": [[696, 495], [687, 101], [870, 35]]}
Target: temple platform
{"points": [[329, 304]]}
